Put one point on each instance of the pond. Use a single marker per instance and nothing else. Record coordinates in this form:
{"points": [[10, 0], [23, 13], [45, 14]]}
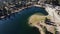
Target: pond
{"points": [[18, 23]]}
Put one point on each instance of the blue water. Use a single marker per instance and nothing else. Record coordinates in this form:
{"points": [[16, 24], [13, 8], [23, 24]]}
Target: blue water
{"points": [[18, 22]]}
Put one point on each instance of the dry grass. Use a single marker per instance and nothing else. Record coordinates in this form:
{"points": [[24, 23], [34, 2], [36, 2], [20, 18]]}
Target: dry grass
{"points": [[36, 18]]}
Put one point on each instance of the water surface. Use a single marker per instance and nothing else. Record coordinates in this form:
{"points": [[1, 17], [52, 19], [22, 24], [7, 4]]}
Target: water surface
{"points": [[18, 22]]}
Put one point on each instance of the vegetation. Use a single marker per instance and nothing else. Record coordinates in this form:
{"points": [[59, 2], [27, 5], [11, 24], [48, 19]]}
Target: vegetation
{"points": [[37, 18]]}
